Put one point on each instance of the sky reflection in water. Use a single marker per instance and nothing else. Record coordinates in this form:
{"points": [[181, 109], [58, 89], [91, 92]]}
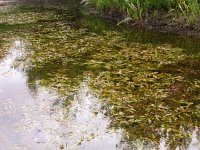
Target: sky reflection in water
{"points": [[38, 120]]}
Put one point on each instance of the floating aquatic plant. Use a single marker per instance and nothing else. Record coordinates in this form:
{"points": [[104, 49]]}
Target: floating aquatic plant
{"points": [[149, 90]]}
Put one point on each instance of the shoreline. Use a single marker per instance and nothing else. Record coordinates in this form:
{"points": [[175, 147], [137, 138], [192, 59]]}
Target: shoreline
{"points": [[159, 24]]}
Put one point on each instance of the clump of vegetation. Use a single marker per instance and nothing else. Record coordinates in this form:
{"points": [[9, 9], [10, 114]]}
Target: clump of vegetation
{"points": [[4, 45], [144, 9]]}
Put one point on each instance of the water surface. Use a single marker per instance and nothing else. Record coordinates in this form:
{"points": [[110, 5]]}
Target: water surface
{"points": [[71, 81]]}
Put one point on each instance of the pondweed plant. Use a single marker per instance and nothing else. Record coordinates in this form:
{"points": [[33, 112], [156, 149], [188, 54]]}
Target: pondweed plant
{"points": [[142, 9]]}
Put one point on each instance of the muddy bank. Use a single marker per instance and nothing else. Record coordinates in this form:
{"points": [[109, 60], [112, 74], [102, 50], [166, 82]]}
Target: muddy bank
{"points": [[163, 22], [179, 26]]}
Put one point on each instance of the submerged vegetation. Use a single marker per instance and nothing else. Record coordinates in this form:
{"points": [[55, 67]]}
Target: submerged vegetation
{"points": [[180, 12], [151, 91]]}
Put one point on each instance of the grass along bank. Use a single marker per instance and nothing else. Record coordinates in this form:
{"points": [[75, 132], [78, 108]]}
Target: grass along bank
{"points": [[170, 15]]}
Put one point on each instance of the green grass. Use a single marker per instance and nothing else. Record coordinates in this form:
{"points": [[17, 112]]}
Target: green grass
{"points": [[142, 9]]}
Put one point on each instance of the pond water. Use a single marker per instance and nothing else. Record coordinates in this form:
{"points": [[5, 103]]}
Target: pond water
{"points": [[72, 80]]}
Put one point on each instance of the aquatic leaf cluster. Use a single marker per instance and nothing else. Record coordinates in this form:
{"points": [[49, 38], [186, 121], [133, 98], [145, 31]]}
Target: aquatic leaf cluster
{"points": [[149, 90], [22, 16], [4, 45], [144, 95]]}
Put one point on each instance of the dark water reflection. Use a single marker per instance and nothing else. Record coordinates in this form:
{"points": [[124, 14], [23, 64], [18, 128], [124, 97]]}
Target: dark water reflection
{"points": [[190, 44], [46, 101]]}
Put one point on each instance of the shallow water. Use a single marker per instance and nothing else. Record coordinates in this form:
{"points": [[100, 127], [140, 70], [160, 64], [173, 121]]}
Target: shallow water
{"points": [[37, 119], [71, 81]]}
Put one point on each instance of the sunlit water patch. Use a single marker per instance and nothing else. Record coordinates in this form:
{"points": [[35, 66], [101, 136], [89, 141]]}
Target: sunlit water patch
{"points": [[38, 119]]}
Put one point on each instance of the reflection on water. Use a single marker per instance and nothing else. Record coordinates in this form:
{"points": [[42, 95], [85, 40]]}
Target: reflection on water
{"points": [[39, 120], [52, 58], [98, 25], [194, 145], [88, 124]]}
